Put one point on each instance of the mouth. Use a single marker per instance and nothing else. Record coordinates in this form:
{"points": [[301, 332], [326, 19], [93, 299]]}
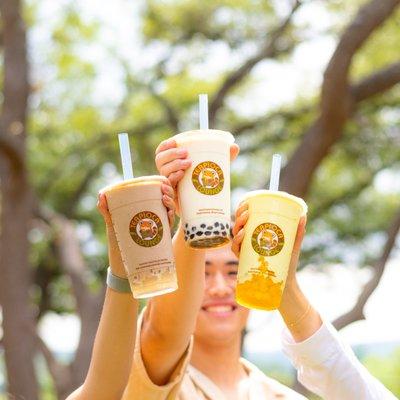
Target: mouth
{"points": [[220, 310]]}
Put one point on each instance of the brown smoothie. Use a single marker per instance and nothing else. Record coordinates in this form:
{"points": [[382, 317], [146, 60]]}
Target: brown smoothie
{"points": [[144, 238]]}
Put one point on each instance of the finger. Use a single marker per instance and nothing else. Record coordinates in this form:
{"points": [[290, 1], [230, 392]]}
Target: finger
{"points": [[175, 177], [240, 222], [102, 206], [171, 218], [174, 166], [234, 150], [235, 249], [237, 242], [241, 209], [168, 202], [102, 203], [165, 145], [301, 229], [168, 190], [169, 155]]}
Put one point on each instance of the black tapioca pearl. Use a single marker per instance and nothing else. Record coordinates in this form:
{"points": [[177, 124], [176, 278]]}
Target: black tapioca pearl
{"points": [[199, 233], [203, 226], [186, 225], [193, 228], [192, 236], [216, 224], [188, 233], [223, 233], [186, 238], [216, 232], [209, 227], [208, 233], [227, 226]]}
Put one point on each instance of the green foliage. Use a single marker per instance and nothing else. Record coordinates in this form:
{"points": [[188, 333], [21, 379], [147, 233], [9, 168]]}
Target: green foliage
{"points": [[231, 21], [387, 370], [73, 148]]}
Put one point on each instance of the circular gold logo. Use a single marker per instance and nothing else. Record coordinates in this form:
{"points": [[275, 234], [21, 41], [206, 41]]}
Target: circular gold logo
{"points": [[208, 178], [267, 239], [146, 229]]}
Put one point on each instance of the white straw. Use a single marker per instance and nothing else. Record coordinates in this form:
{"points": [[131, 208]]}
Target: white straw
{"points": [[275, 171], [203, 111], [125, 155]]}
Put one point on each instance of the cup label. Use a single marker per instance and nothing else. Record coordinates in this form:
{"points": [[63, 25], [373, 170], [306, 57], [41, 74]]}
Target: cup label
{"points": [[146, 229], [208, 178], [267, 239]]}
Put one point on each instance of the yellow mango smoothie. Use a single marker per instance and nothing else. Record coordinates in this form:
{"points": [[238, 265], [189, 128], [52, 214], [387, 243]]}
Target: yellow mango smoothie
{"points": [[267, 247]]}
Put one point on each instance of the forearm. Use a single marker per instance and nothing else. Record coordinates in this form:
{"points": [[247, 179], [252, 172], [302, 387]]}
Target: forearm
{"points": [[113, 347], [115, 339], [328, 367], [170, 319], [300, 317]]}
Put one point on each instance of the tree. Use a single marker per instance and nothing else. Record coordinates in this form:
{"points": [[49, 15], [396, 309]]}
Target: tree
{"points": [[73, 151], [15, 279]]}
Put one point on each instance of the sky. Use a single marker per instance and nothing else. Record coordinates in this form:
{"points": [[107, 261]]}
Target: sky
{"points": [[331, 292]]}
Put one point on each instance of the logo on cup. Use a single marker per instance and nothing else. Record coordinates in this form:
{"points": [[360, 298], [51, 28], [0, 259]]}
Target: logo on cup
{"points": [[267, 239], [146, 229], [208, 178]]}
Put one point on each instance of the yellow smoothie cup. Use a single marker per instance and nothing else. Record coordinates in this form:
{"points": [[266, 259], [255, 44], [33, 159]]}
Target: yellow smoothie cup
{"points": [[267, 247]]}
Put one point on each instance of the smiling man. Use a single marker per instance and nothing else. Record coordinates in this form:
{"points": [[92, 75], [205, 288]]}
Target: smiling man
{"points": [[188, 342]]}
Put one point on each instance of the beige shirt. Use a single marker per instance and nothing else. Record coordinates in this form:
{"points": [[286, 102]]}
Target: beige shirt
{"points": [[187, 383]]}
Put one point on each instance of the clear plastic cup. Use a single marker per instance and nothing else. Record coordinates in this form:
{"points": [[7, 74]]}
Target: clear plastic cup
{"points": [[204, 191], [141, 225], [267, 247]]}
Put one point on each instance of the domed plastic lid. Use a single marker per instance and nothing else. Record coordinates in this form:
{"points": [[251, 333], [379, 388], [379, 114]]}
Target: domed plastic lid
{"points": [[140, 179], [282, 202], [204, 134]]}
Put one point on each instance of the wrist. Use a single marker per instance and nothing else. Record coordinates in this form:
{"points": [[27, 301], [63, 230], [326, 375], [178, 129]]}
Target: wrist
{"points": [[293, 301], [114, 254]]}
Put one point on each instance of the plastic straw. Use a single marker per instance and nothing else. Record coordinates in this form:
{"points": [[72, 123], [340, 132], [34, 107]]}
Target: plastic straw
{"points": [[275, 171], [125, 155], [203, 111]]}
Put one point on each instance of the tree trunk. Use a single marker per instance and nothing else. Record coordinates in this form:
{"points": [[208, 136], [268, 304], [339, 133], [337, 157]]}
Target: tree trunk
{"points": [[15, 280]]}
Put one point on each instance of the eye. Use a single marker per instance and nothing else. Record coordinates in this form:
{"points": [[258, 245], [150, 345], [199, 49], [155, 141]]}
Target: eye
{"points": [[232, 273]]}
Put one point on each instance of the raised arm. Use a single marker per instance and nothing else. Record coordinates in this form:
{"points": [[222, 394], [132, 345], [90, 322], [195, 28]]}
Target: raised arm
{"points": [[115, 336], [300, 317], [115, 339], [326, 365], [170, 320]]}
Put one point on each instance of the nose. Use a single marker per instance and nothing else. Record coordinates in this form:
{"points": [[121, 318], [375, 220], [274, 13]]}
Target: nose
{"points": [[219, 287]]}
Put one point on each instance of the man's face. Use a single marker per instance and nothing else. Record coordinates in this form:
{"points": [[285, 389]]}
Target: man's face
{"points": [[220, 317]]}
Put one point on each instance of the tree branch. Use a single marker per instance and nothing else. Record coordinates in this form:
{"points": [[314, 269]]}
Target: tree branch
{"points": [[101, 140], [9, 146], [352, 192], [60, 373], [73, 201], [269, 50], [71, 260], [376, 83], [357, 312], [243, 127], [336, 103], [170, 113]]}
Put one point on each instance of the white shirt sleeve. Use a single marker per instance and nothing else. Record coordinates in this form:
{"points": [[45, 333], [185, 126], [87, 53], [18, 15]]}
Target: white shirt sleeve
{"points": [[329, 368]]}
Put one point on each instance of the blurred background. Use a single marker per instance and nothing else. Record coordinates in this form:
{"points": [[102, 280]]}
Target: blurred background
{"points": [[316, 81]]}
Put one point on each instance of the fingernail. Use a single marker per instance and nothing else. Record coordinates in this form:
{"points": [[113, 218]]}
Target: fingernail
{"points": [[187, 162], [182, 152]]}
